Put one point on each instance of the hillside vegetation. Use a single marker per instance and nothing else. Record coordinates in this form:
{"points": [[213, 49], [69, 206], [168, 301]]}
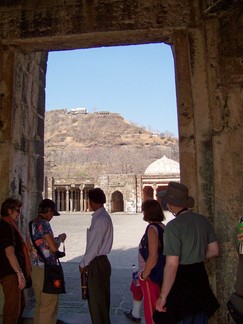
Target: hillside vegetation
{"points": [[85, 145]]}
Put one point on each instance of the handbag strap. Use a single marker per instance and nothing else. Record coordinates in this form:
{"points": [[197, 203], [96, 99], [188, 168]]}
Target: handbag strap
{"points": [[37, 247]]}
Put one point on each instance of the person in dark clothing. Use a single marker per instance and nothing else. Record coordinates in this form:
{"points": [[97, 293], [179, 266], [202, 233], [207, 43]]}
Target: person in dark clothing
{"points": [[15, 262], [189, 240]]}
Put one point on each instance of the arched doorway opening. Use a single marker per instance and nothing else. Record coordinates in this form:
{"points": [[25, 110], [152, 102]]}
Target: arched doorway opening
{"points": [[163, 189], [148, 193], [117, 202]]}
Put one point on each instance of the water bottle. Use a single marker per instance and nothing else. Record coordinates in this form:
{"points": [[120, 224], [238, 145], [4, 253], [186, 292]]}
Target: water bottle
{"points": [[240, 230], [135, 275]]}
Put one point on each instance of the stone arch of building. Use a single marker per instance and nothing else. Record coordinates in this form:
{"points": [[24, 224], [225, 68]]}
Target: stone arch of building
{"points": [[207, 45], [117, 202], [148, 192]]}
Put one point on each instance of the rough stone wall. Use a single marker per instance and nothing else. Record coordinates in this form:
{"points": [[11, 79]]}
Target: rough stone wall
{"points": [[22, 131], [6, 89], [225, 70], [209, 85], [91, 23], [28, 117], [206, 37]]}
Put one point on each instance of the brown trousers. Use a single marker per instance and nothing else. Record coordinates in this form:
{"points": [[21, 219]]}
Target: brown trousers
{"points": [[14, 301]]}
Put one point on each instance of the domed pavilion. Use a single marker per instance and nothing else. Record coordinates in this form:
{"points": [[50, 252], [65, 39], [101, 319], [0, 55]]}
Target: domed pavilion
{"points": [[157, 176]]}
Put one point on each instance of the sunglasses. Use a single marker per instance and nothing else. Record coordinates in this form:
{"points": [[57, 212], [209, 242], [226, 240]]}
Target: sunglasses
{"points": [[18, 210]]}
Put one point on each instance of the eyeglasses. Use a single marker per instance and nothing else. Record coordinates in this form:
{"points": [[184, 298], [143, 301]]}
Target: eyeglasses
{"points": [[18, 210]]}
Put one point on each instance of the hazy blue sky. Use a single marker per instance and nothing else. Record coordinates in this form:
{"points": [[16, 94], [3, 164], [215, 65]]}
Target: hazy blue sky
{"points": [[137, 82]]}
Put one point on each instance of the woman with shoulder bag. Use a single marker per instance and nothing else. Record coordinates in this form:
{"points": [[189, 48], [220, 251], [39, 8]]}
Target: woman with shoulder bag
{"points": [[46, 307]]}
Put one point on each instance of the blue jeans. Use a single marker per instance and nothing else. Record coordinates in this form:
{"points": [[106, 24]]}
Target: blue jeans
{"points": [[201, 318]]}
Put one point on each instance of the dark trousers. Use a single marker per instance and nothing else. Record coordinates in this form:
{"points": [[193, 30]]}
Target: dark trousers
{"points": [[239, 277], [99, 272]]}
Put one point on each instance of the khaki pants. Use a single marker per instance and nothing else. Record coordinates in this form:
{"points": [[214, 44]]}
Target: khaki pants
{"points": [[46, 306]]}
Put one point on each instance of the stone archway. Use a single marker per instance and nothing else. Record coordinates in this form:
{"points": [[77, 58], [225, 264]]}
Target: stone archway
{"points": [[163, 189], [148, 192], [117, 202]]}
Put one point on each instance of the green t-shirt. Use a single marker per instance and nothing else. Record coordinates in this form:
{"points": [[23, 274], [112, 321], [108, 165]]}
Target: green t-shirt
{"points": [[188, 236]]}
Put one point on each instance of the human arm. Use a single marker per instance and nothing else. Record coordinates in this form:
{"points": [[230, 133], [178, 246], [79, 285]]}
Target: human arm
{"points": [[60, 239], [212, 250], [170, 270], [53, 246], [9, 251], [81, 270], [240, 237], [153, 245]]}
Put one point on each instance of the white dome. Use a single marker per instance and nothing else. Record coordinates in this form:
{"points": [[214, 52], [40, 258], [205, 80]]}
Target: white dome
{"points": [[163, 166]]}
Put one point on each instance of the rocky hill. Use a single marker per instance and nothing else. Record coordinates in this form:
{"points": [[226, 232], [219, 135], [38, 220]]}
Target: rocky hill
{"points": [[85, 145]]}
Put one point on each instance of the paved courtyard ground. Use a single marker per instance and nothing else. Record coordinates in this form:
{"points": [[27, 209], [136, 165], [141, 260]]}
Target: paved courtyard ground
{"points": [[128, 230]]}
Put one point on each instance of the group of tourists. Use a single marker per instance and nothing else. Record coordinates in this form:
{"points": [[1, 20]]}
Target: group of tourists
{"points": [[181, 293], [172, 281], [24, 262]]}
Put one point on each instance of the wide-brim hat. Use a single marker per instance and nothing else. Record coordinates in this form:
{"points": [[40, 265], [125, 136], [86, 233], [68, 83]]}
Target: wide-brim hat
{"points": [[177, 194]]}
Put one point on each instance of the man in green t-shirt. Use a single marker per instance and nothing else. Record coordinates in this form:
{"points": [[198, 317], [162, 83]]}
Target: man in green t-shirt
{"points": [[189, 239]]}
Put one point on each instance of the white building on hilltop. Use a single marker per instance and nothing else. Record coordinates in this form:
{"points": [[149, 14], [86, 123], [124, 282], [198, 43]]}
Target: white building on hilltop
{"points": [[76, 111]]}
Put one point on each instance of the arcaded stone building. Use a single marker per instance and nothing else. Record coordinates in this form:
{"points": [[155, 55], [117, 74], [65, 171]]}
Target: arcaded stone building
{"points": [[207, 44], [124, 192]]}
